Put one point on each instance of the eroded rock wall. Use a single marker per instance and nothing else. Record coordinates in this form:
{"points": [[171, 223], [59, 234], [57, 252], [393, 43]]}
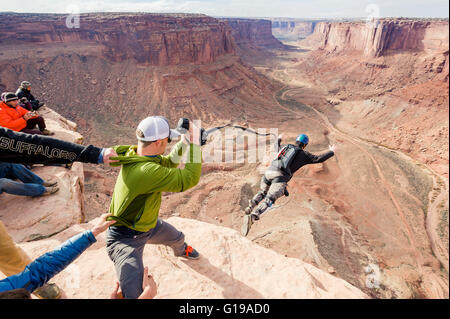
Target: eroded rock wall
{"points": [[253, 31], [378, 38], [169, 39]]}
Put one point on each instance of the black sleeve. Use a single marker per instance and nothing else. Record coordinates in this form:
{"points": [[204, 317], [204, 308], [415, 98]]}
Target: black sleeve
{"points": [[319, 158], [20, 94], [16, 147]]}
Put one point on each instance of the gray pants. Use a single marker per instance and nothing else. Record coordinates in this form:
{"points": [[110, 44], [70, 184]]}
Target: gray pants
{"points": [[125, 248], [269, 191]]}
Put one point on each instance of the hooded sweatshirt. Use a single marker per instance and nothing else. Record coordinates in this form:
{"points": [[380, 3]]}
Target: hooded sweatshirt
{"points": [[142, 179]]}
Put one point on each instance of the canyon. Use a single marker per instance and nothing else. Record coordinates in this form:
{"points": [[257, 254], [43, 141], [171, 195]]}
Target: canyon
{"points": [[292, 29], [187, 61], [253, 32], [374, 215]]}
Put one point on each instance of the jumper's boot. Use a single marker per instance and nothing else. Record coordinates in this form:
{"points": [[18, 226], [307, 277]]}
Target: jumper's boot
{"points": [[248, 222], [249, 209]]}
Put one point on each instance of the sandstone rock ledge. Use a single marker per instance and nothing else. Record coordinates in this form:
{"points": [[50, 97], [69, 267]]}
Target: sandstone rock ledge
{"points": [[230, 266]]}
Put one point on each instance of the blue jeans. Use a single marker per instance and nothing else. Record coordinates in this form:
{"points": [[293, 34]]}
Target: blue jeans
{"points": [[31, 183]]}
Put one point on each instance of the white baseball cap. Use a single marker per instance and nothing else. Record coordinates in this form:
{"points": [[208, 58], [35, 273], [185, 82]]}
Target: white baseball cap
{"points": [[156, 128]]}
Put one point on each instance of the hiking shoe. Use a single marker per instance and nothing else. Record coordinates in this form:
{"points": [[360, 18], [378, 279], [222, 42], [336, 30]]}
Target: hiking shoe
{"points": [[190, 252], [47, 132], [250, 207], [48, 291], [49, 183], [50, 190], [248, 221]]}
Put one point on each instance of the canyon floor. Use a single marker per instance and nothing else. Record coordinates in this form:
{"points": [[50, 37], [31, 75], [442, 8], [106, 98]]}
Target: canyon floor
{"points": [[372, 215]]}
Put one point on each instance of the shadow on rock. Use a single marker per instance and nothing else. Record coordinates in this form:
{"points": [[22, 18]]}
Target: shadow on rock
{"points": [[232, 288]]}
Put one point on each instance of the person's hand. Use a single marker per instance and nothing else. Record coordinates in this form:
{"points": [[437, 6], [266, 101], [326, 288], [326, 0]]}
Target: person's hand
{"points": [[28, 116], [116, 294], [102, 224], [332, 148], [109, 152], [149, 288]]}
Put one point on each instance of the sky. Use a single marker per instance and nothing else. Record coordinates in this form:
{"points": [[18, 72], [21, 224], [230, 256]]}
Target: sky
{"points": [[244, 8]]}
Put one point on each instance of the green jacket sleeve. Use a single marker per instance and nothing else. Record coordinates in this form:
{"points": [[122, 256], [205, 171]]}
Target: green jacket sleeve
{"points": [[121, 149], [170, 179], [174, 158]]}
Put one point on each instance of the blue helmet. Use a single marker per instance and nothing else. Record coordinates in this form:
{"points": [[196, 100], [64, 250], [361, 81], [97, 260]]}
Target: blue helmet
{"points": [[302, 138]]}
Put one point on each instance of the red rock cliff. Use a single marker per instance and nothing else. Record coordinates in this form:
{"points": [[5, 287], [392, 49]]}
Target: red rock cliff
{"points": [[382, 36], [253, 31], [162, 39]]}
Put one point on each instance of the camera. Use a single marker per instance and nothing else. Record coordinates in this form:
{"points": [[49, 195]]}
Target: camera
{"points": [[183, 127]]}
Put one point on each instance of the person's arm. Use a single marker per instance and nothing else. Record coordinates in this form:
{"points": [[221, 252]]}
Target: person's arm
{"points": [[16, 147], [319, 158], [7, 121], [157, 178], [164, 179], [174, 158], [280, 138], [41, 270], [20, 94], [149, 288], [121, 149]]}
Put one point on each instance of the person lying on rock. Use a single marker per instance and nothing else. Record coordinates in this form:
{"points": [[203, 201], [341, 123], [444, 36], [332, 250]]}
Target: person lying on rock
{"points": [[136, 200], [30, 185], [274, 181], [40, 271], [24, 148], [18, 119], [24, 91]]}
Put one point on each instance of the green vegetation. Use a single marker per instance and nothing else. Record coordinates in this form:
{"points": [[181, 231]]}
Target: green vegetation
{"points": [[290, 103], [443, 223]]}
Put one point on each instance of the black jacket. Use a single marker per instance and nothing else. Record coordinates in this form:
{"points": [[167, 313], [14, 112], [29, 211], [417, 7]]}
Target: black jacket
{"points": [[24, 93], [301, 159], [16, 147]]}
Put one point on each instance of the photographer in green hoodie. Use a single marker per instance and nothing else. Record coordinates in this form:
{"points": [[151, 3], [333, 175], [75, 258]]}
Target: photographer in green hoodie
{"points": [[136, 200]]}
